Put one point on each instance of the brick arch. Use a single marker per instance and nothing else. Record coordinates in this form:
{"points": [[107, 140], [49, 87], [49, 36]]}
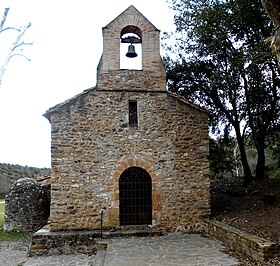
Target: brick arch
{"points": [[125, 34], [131, 29], [143, 26], [113, 190], [138, 162], [131, 16]]}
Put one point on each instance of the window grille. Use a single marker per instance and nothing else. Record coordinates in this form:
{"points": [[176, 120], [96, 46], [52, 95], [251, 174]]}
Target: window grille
{"points": [[133, 115]]}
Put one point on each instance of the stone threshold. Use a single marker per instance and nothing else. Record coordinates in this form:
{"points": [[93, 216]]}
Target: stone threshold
{"points": [[45, 242], [256, 247]]}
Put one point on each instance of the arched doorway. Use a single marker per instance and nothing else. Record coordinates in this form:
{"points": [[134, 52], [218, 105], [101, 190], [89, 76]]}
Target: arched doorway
{"points": [[135, 188]]}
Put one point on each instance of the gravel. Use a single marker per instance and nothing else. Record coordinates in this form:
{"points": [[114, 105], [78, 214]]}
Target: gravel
{"points": [[14, 252]]}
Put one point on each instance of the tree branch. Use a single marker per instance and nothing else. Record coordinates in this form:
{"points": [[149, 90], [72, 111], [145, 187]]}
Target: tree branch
{"points": [[4, 18], [14, 46], [19, 55], [9, 28]]}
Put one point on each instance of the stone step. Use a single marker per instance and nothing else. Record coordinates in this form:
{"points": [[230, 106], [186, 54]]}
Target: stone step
{"points": [[45, 242]]}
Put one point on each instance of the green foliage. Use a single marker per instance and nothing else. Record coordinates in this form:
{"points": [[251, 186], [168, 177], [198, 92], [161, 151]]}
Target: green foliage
{"points": [[7, 235], [9, 173], [15, 172], [224, 67], [274, 172], [2, 207], [222, 158], [273, 143], [10, 235]]}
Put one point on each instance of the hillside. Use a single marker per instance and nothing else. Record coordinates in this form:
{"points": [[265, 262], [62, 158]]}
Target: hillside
{"points": [[254, 209], [9, 173]]}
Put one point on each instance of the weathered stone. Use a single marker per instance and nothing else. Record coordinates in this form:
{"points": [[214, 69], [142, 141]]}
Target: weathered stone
{"points": [[93, 142], [27, 206], [256, 247]]}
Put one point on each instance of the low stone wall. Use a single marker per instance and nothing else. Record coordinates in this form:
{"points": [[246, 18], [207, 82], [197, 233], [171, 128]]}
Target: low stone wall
{"points": [[45, 242], [256, 247]]}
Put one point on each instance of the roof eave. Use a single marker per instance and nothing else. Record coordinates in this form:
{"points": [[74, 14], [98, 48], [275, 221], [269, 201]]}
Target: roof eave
{"points": [[183, 99], [57, 107]]}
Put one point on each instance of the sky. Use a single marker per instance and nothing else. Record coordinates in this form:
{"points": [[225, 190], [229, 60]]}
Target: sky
{"points": [[67, 45]]}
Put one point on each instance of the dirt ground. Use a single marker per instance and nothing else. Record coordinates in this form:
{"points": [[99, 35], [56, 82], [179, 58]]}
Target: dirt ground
{"points": [[255, 209]]}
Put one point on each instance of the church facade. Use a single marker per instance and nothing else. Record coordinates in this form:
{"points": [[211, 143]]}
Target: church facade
{"points": [[127, 148]]}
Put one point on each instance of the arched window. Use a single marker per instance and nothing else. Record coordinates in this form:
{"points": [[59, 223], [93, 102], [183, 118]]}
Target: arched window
{"points": [[131, 35], [135, 187]]}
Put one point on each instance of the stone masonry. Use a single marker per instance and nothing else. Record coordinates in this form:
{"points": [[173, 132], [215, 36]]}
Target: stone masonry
{"points": [[27, 206], [93, 142]]}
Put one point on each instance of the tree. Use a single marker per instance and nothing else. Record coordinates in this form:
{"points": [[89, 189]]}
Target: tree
{"points": [[224, 67], [222, 156], [272, 8], [16, 46]]}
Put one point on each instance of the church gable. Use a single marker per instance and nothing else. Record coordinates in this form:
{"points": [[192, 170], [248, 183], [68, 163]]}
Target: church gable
{"points": [[131, 16], [128, 148]]}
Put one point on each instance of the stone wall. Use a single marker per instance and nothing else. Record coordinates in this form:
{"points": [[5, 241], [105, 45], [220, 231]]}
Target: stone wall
{"points": [[27, 206], [48, 243], [256, 247], [92, 143]]}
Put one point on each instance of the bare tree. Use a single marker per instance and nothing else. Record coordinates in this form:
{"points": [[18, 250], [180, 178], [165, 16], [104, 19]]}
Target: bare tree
{"points": [[272, 8], [16, 46]]}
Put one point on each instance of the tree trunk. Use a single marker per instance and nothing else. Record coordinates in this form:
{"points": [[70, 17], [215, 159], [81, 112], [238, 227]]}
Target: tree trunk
{"points": [[276, 45], [260, 168], [272, 8], [246, 168]]}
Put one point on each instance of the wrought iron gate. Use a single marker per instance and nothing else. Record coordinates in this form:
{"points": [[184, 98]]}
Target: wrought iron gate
{"points": [[135, 188]]}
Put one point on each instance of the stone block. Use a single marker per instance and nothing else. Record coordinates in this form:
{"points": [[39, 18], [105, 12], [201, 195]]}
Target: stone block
{"points": [[157, 204], [27, 206], [113, 217], [112, 188]]}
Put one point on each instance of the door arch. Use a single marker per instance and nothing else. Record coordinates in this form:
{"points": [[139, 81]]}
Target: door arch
{"points": [[135, 190]]}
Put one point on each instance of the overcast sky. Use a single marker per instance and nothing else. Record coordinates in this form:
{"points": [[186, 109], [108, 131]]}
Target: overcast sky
{"points": [[67, 45]]}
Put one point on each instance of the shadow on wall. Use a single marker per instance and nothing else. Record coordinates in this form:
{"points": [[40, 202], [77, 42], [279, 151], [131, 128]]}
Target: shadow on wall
{"points": [[27, 205]]}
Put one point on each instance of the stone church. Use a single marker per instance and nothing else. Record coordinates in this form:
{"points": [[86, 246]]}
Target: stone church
{"points": [[127, 147]]}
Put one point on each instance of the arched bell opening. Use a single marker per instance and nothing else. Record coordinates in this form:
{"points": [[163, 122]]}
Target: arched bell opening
{"points": [[131, 48], [135, 197]]}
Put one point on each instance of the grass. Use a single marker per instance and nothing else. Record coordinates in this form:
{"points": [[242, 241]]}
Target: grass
{"points": [[2, 207], [7, 235]]}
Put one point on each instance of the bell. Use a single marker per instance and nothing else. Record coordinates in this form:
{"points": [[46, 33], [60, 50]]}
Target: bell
{"points": [[131, 51]]}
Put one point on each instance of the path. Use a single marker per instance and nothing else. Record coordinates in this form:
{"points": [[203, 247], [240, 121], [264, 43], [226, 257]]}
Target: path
{"points": [[13, 252], [172, 249]]}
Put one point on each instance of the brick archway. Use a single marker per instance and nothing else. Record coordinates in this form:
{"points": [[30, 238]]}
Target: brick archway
{"points": [[136, 161], [113, 217]]}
